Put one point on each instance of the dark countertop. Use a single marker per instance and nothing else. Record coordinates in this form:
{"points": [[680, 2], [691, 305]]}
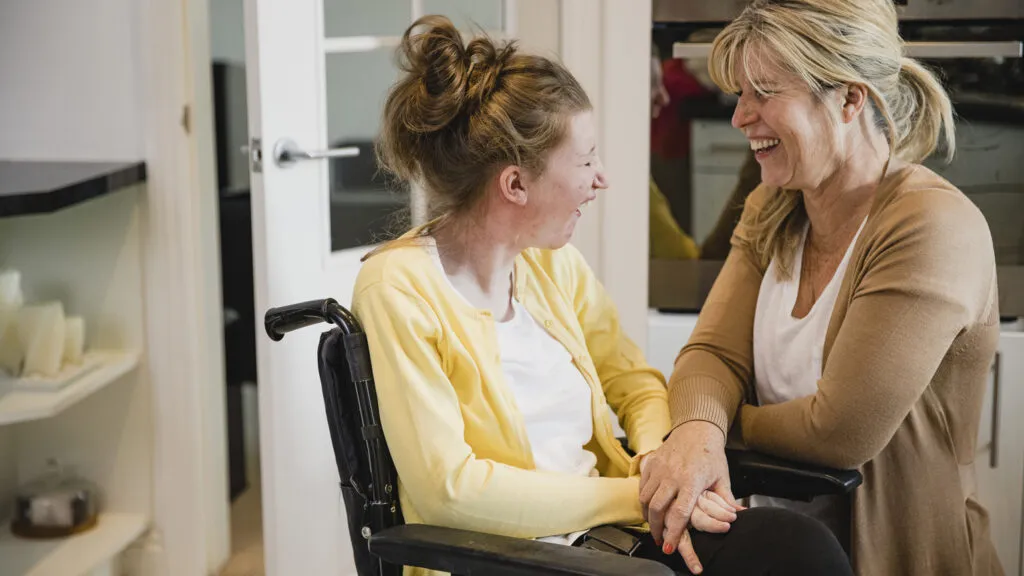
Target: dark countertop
{"points": [[36, 187]]}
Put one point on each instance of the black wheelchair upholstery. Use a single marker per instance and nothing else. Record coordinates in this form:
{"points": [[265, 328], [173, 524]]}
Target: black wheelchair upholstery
{"points": [[383, 543]]}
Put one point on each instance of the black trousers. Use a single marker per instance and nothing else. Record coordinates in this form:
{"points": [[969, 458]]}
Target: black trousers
{"points": [[761, 542]]}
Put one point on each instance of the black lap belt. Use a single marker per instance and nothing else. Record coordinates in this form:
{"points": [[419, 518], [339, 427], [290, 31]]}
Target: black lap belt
{"points": [[610, 539]]}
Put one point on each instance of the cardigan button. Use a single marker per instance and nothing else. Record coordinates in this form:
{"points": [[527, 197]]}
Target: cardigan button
{"points": [[548, 323]]}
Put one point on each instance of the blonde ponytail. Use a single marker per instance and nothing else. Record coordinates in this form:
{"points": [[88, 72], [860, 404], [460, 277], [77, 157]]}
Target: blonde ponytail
{"points": [[922, 113]]}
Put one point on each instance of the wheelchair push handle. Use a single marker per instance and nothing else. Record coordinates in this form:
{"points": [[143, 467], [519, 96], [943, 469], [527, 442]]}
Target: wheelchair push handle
{"points": [[284, 319]]}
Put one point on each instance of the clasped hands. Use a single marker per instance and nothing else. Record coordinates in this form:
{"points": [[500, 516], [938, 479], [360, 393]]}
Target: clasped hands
{"points": [[685, 482]]}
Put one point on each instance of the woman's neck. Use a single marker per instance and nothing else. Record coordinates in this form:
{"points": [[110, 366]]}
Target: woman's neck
{"points": [[479, 262], [837, 208]]}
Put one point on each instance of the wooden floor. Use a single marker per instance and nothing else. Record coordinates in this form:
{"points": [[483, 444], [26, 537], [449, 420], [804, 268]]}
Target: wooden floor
{"points": [[246, 535], [246, 513]]}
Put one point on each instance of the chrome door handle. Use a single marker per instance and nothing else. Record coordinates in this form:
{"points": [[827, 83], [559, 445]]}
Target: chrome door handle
{"points": [[287, 153]]}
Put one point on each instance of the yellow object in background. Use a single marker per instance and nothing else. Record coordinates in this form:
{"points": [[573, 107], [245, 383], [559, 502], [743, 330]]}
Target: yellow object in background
{"points": [[667, 239]]}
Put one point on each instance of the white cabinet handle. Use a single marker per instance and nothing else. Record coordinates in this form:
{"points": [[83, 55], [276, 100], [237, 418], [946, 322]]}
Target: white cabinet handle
{"points": [[993, 456]]}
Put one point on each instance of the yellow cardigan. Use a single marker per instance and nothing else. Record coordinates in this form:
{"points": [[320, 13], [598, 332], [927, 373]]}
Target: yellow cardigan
{"points": [[457, 438]]}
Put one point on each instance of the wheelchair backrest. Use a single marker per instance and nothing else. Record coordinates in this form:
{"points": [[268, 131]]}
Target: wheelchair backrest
{"points": [[368, 478]]}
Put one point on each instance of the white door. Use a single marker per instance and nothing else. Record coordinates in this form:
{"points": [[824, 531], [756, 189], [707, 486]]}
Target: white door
{"points": [[317, 73]]}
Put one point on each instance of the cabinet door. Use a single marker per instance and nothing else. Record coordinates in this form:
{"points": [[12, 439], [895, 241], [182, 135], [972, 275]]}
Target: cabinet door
{"points": [[1000, 457]]}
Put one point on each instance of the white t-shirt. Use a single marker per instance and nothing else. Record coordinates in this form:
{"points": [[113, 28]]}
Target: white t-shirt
{"points": [[787, 361], [551, 394]]}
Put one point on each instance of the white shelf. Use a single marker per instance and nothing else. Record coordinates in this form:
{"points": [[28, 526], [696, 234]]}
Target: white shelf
{"points": [[24, 405], [72, 556]]}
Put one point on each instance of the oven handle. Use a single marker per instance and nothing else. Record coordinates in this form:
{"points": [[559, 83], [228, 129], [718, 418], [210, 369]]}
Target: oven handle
{"points": [[1008, 49], [691, 49]]}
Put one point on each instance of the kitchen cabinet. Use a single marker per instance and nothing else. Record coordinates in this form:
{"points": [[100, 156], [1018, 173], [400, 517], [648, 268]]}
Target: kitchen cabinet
{"points": [[999, 462]]}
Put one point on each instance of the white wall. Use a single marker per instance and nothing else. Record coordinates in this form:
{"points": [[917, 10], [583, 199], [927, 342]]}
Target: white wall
{"points": [[538, 26], [69, 74], [602, 44], [206, 334]]}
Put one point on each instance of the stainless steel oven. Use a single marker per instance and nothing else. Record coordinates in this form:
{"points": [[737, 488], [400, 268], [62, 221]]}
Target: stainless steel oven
{"points": [[666, 11], [702, 168]]}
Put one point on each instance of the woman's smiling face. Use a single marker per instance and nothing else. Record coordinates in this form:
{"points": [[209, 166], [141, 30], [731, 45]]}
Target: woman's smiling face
{"points": [[794, 137]]}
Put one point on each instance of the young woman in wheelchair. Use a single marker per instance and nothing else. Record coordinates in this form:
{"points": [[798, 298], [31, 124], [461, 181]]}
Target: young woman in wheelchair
{"points": [[495, 350]]}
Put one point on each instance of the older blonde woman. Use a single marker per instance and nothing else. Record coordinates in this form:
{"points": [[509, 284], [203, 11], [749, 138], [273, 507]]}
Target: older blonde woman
{"points": [[855, 318]]}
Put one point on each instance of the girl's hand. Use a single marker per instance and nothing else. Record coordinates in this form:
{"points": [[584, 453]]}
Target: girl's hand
{"points": [[712, 514]]}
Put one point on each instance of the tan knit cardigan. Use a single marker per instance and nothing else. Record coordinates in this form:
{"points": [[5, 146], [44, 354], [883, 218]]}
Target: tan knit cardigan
{"points": [[904, 369]]}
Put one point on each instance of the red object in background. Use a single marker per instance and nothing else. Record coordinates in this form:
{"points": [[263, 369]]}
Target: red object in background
{"points": [[670, 135]]}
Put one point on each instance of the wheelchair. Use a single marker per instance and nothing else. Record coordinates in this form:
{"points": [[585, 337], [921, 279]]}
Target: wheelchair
{"points": [[382, 543]]}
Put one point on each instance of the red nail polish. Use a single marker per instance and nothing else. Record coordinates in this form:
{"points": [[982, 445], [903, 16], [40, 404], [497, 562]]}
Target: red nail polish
{"points": [[668, 548]]}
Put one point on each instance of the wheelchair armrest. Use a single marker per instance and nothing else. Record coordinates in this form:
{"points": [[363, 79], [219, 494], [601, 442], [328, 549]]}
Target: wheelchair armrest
{"points": [[463, 552], [755, 473]]}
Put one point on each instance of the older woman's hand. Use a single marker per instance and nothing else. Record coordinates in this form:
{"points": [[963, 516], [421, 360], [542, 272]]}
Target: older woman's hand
{"points": [[673, 478]]}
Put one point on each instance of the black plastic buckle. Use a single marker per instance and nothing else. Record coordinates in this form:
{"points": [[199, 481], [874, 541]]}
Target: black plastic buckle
{"points": [[611, 539]]}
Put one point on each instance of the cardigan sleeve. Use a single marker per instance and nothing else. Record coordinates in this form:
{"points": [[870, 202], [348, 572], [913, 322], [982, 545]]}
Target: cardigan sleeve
{"points": [[714, 371], [928, 276], [445, 481], [635, 391]]}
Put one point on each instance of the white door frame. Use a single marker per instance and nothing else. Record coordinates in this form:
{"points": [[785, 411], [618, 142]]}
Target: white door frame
{"points": [[604, 43], [184, 353]]}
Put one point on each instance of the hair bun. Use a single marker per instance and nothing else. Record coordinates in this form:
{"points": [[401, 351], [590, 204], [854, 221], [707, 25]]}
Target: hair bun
{"points": [[437, 59], [487, 62], [461, 111]]}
